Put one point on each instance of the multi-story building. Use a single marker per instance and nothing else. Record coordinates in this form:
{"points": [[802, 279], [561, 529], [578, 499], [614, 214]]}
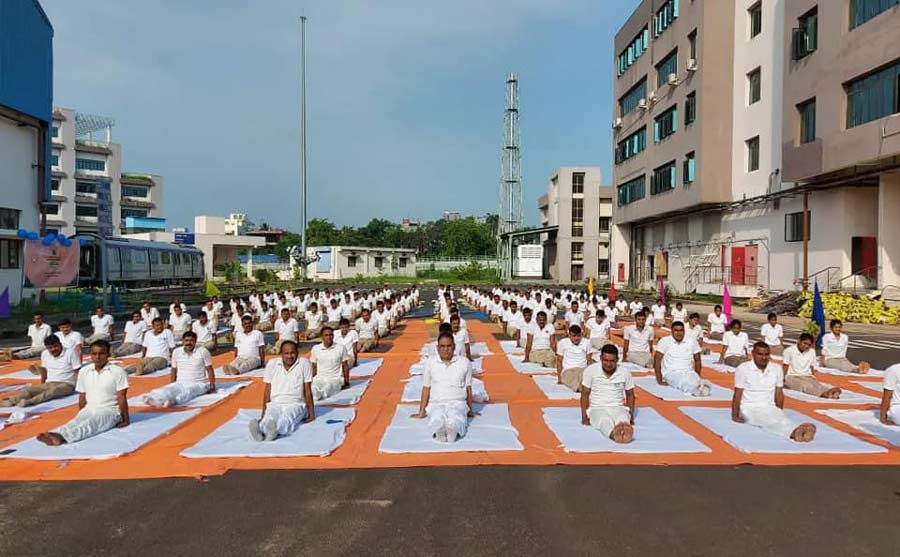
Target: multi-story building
{"points": [[84, 170], [580, 207], [237, 224]]}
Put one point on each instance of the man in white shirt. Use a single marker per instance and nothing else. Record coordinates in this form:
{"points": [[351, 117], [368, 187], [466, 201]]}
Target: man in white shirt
{"points": [[192, 375], [249, 349], [382, 318], [889, 413], [148, 314], [574, 357], [463, 347], [772, 334], [349, 339], [176, 303], [525, 325], [330, 369], [677, 363], [69, 338], [287, 398], [834, 350], [102, 402], [313, 318], [621, 306], [658, 312], [264, 319], [540, 347], [333, 314], [286, 328], [158, 344], [734, 346], [212, 314], [680, 314], [573, 316], [716, 321], [693, 328], [367, 327], [759, 398], [59, 372], [102, 323], [598, 329], [638, 347], [798, 365], [205, 330], [134, 336], [512, 320], [446, 393], [37, 332], [607, 397], [348, 308], [179, 322], [635, 306]]}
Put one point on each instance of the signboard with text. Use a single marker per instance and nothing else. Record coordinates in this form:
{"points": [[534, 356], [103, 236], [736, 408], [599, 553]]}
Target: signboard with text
{"points": [[104, 209], [184, 239]]}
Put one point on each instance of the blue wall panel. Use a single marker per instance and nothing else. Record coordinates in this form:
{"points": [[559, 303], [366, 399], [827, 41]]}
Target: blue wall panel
{"points": [[26, 58]]}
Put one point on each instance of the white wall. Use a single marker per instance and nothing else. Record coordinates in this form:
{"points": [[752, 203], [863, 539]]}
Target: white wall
{"points": [[889, 232]]}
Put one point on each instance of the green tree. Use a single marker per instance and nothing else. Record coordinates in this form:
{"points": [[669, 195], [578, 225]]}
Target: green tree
{"points": [[468, 237], [321, 232], [286, 244]]}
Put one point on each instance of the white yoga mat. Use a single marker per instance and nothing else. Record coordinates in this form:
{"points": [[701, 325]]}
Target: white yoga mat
{"points": [[847, 397], [510, 347], [318, 438], [412, 392], [419, 367], [480, 349], [48, 406], [668, 392], [751, 439], [144, 427], [7, 388], [553, 390], [652, 434], [223, 391], [21, 374], [349, 396], [164, 372], [258, 372], [866, 421], [491, 431], [634, 368], [366, 367], [875, 387], [8, 421], [530, 367], [720, 367], [832, 371]]}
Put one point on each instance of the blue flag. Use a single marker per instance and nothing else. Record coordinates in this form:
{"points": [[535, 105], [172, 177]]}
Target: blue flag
{"points": [[4, 304], [818, 313]]}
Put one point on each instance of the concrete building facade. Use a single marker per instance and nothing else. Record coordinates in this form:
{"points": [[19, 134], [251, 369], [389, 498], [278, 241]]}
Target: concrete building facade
{"points": [[343, 262], [581, 207]]}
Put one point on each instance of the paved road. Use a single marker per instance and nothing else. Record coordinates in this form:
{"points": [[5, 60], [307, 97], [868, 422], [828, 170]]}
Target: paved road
{"points": [[464, 511]]}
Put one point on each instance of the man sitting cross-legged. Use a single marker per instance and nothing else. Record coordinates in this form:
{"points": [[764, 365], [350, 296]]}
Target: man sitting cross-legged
{"points": [[134, 336], [367, 327], [349, 339], [798, 369], [638, 348], [192, 375], [249, 349], [574, 357], [540, 347], [37, 332], [446, 392], [286, 328], [59, 372], [677, 362], [889, 413], [158, 344], [607, 397], [287, 398], [102, 402], [330, 369], [759, 397]]}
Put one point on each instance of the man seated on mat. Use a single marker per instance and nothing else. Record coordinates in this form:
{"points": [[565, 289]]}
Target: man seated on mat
{"points": [[206, 332], [381, 317], [734, 346], [330, 369], [313, 319], [102, 401], [134, 336], [179, 321], [890, 396], [759, 398], [658, 313], [158, 344], [511, 321], [573, 317], [540, 347], [59, 372], [598, 327], [249, 349], [638, 348], [102, 325], [287, 398], [772, 333], [607, 397], [367, 327], [573, 357], [450, 377], [693, 328], [524, 324], [798, 369], [37, 332], [716, 321], [192, 375], [463, 347], [68, 337], [349, 339], [286, 328], [677, 363], [834, 350]]}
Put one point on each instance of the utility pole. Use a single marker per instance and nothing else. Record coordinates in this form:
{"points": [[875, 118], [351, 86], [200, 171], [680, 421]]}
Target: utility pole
{"points": [[303, 144], [806, 240]]}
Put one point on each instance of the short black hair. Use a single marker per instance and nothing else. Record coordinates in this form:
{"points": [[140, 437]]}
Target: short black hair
{"points": [[343, 321], [445, 328], [694, 315], [677, 324], [575, 330], [835, 322], [610, 349], [771, 315], [446, 334], [51, 340], [286, 343], [735, 322], [806, 336], [761, 344], [102, 344], [189, 334], [326, 328], [65, 322]]}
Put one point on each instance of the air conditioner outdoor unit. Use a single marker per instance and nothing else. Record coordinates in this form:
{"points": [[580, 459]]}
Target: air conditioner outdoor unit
{"points": [[673, 79], [642, 104], [692, 64], [617, 123], [652, 96]]}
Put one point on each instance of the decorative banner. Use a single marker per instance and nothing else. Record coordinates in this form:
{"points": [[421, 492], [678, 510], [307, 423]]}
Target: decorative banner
{"points": [[52, 265], [104, 209]]}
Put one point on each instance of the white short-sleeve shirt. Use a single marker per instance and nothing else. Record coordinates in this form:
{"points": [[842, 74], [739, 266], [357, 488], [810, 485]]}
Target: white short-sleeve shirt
{"points": [[541, 337], [367, 329], [191, 367], [735, 344], [636, 306], [892, 383], [758, 385], [287, 384], [834, 347], [248, 344], [70, 340], [134, 332], [677, 356], [158, 345], [39, 334], [329, 361], [607, 391], [334, 314], [573, 318], [460, 340], [716, 322], [448, 380], [313, 320], [800, 364], [574, 356], [598, 330], [102, 325], [772, 335], [63, 368], [658, 311], [695, 331], [287, 330], [100, 388], [204, 332], [180, 323], [638, 341], [348, 341], [680, 315]]}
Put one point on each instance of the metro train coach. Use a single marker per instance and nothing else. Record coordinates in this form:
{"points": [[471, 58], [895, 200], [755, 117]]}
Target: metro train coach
{"points": [[138, 263]]}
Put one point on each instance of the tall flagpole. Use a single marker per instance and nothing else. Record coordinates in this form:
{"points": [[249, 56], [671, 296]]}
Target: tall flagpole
{"points": [[303, 143]]}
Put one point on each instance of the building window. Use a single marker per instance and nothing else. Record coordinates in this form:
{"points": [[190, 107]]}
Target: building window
{"points": [[690, 108], [351, 261], [402, 262], [665, 17], [54, 132], [754, 84], [631, 191], [577, 272], [630, 100], [135, 191], [89, 188], [633, 51], [90, 164], [137, 213], [603, 266], [862, 11], [379, 262], [54, 185], [669, 65], [755, 13], [577, 182], [753, 154], [663, 179], [604, 224], [51, 209], [665, 124], [577, 251], [874, 96], [793, 226], [9, 219], [9, 254], [692, 43], [688, 173], [578, 217], [85, 211], [807, 112], [631, 146], [54, 160], [805, 37]]}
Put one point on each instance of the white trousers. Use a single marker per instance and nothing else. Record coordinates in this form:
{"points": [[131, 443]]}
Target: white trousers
{"points": [[94, 338], [769, 418], [894, 413], [449, 415], [686, 381], [29, 353], [244, 364], [176, 394], [287, 416], [605, 418], [90, 422], [324, 387]]}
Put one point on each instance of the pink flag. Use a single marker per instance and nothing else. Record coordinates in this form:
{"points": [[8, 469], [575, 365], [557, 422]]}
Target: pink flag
{"points": [[726, 302]]}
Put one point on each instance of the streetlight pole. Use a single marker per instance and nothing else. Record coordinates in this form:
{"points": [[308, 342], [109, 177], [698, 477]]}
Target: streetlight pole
{"points": [[303, 144]]}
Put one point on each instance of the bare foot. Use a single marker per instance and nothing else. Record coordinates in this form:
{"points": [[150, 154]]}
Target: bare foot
{"points": [[52, 439], [833, 393], [622, 433], [804, 433], [863, 368]]}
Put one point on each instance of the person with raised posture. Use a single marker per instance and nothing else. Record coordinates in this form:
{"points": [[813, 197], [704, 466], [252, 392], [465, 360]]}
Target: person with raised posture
{"points": [[759, 398], [192, 375], [607, 397], [463, 347], [446, 392], [834, 350], [37, 332], [69, 338], [540, 347], [889, 413], [677, 363], [287, 397], [574, 356], [349, 339], [798, 369], [102, 325], [249, 349], [772, 334], [638, 348], [658, 312], [102, 401], [134, 336], [59, 373], [157, 353], [179, 321], [330, 368], [598, 329], [313, 319], [734, 346]]}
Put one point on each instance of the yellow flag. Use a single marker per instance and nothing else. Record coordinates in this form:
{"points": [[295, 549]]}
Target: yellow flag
{"points": [[211, 289], [591, 286]]}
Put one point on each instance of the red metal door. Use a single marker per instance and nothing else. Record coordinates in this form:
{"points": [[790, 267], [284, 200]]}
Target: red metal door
{"points": [[737, 264], [621, 273], [751, 265]]}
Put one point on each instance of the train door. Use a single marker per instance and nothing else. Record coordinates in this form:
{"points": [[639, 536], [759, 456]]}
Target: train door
{"points": [[113, 265]]}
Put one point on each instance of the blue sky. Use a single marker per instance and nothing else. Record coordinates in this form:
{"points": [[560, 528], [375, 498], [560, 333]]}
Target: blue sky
{"points": [[405, 99]]}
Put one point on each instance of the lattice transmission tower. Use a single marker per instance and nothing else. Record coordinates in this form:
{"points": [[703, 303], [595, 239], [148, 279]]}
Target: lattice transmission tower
{"points": [[511, 202]]}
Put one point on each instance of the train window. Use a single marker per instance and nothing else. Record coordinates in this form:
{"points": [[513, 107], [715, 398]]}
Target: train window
{"points": [[140, 257], [165, 257], [154, 257], [126, 256], [112, 256], [177, 258]]}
